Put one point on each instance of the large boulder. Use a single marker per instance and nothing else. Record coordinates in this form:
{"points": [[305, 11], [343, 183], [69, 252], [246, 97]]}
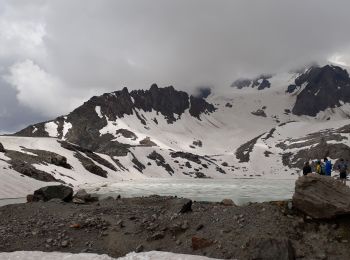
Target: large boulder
{"points": [[47, 193], [321, 197], [83, 197]]}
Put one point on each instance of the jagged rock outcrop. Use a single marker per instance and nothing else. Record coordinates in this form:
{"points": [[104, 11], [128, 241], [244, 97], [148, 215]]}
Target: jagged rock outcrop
{"points": [[321, 197], [160, 161], [83, 125], [260, 82], [325, 87]]}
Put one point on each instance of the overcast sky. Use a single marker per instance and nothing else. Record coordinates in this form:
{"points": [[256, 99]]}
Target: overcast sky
{"points": [[56, 54]]}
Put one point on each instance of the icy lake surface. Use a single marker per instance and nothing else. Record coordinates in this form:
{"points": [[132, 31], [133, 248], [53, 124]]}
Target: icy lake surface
{"points": [[241, 191]]}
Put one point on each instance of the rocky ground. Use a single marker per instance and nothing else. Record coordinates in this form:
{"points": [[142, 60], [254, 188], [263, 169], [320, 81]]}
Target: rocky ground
{"points": [[273, 230]]}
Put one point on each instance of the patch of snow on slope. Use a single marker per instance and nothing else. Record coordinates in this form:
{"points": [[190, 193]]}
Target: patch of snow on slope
{"points": [[98, 111], [51, 129], [66, 128]]}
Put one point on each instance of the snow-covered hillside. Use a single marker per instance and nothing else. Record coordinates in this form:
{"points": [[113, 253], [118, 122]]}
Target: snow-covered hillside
{"points": [[248, 130]]}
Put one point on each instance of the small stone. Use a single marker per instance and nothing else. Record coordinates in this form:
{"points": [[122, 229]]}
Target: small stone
{"points": [[64, 243], [200, 242], [228, 202], [49, 240], [76, 225], [139, 249], [178, 242], [78, 201], [157, 236], [185, 225], [335, 226], [199, 227], [120, 223]]}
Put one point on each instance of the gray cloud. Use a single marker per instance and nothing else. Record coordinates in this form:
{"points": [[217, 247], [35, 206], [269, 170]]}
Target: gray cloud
{"points": [[55, 54]]}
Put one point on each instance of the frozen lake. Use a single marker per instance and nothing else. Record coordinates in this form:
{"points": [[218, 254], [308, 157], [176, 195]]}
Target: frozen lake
{"points": [[240, 191]]}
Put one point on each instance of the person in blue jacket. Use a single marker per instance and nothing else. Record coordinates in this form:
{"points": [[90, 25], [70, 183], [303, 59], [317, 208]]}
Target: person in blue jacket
{"points": [[328, 166]]}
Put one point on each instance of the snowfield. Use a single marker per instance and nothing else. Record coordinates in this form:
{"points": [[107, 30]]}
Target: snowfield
{"points": [[152, 255]]}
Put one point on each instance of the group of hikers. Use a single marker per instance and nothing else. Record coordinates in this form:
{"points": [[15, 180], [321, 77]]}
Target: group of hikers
{"points": [[325, 168]]}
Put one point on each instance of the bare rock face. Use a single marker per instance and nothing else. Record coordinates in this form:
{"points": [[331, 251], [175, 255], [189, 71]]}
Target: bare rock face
{"points": [[330, 84], [321, 197]]}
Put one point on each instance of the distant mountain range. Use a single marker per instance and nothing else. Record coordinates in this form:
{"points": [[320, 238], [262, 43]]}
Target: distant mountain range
{"points": [[266, 126]]}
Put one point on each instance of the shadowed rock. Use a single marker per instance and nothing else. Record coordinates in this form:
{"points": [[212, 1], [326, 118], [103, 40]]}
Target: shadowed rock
{"points": [[2, 149], [330, 84], [53, 192]]}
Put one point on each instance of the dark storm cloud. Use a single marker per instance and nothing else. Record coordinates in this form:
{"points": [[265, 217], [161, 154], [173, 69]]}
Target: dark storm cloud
{"points": [[57, 53]]}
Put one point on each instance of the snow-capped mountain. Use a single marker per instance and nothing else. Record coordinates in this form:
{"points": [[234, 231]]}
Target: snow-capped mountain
{"points": [[266, 126]]}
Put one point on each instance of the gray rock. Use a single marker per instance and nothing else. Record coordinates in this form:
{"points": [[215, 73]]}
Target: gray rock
{"points": [[53, 192], [184, 205], [267, 248], [82, 195], [139, 249], [64, 243], [321, 197], [227, 202], [2, 149]]}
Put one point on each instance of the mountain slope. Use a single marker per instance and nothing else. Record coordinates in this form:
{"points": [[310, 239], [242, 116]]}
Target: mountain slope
{"points": [[250, 129]]}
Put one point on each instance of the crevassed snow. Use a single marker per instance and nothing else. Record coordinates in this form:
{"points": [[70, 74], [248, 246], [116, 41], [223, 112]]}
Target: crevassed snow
{"points": [[98, 111], [152, 255], [51, 129]]}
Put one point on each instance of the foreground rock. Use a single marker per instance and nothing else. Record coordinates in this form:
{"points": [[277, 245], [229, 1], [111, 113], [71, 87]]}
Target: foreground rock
{"points": [[52, 192], [321, 197]]}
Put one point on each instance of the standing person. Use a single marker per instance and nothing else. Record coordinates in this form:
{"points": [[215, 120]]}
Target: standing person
{"points": [[306, 168], [342, 167], [328, 166], [318, 167]]}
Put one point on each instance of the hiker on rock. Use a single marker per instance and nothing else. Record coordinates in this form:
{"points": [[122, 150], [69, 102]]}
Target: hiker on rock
{"points": [[307, 168], [342, 167], [327, 166]]}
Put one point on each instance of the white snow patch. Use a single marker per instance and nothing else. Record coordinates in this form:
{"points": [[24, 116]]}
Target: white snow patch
{"points": [[51, 129], [152, 255], [98, 111], [66, 128]]}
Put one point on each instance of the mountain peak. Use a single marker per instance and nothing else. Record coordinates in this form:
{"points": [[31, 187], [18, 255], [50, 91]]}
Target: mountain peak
{"points": [[323, 87]]}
